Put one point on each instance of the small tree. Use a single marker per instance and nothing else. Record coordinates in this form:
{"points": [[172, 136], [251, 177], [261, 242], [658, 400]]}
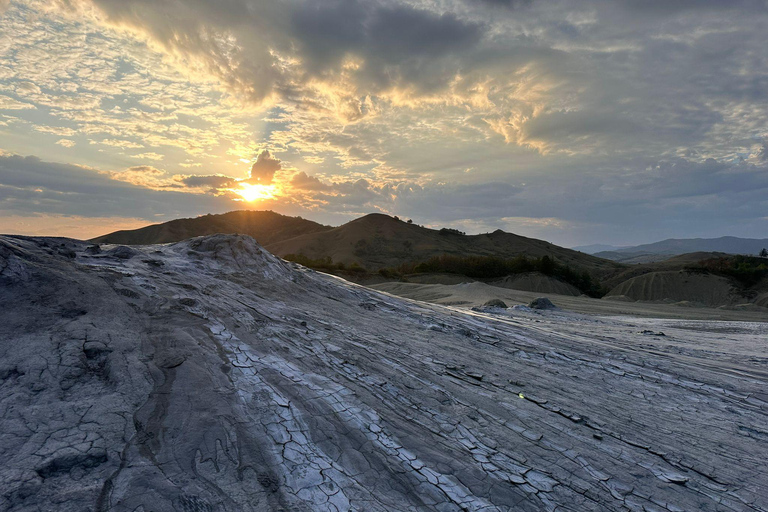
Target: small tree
{"points": [[764, 253]]}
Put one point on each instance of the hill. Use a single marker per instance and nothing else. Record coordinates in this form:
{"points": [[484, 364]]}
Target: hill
{"points": [[673, 263], [678, 286], [378, 241], [661, 250], [265, 226], [208, 375], [714, 279], [595, 248]]}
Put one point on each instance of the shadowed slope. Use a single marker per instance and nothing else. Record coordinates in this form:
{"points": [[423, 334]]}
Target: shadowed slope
{"points": [[265, 226], [377, 241]]}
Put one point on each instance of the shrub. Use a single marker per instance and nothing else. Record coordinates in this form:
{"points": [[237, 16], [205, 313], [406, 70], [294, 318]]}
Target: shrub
{"points": [[747, 270], [490, 267]]}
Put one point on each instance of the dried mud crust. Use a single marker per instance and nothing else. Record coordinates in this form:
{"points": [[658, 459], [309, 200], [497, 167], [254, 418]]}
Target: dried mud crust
{"points": [[228, 379]]}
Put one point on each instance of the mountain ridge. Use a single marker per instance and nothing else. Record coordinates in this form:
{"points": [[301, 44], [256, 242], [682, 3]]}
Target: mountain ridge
{"points": [[657, 251]]}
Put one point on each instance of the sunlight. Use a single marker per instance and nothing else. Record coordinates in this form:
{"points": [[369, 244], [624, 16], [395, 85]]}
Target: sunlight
{"points": [[255, 192]]}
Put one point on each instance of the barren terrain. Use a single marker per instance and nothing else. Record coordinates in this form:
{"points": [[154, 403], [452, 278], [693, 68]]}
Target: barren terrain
{"points": [[209, 375]]}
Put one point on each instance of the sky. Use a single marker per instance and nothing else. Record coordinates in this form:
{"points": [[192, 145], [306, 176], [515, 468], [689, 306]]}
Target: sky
{"points": [[578, 122]]}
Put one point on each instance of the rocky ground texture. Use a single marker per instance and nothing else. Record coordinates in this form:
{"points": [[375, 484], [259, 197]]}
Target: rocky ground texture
{"points": [[209, 375]]}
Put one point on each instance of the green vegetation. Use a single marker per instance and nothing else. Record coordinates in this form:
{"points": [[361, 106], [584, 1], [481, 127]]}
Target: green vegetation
{"points": [[451, 231], [747, 270], [478, 267], [490, 267], [325, 264]]}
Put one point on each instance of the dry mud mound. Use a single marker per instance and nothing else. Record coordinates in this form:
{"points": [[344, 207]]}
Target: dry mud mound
{"points": [[209, 375], [677, 286]]}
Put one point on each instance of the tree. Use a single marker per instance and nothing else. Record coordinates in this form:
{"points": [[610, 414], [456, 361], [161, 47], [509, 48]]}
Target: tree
{"points": [[764, 253], [410, 221]]}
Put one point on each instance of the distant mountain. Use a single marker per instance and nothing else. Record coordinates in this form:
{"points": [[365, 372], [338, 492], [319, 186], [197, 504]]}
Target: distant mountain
{"points": [[377, 241], [659, 251], [632, 258], [265, 226], [595, 248]]}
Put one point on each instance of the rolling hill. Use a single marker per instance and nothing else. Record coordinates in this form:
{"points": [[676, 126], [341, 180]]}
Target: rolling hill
{"points": [[377, 241], [374, 241], [265, 226]]}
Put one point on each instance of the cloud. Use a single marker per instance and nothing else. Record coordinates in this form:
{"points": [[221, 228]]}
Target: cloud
{"points": [[762, 153], [302, 181], [210, 182], [501, 3], [30, 186], [263, 169], [8, 103], [149, 156], [67, 143], [125, 144], [600, 112]]}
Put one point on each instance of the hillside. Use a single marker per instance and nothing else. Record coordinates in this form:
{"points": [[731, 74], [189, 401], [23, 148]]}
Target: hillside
{"points": [[376, 241], [208, 375], [678, 286], [661, 250], [673, 263], [713, 279], [265, 226]]}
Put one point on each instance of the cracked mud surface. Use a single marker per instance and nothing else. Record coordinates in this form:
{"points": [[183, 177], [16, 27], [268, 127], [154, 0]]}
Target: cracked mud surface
{"points": [[209, 375]]}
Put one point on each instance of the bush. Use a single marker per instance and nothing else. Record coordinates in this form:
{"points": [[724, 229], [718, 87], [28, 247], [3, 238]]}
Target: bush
{"points": [[490, 267], [747, 270], [390, 273], [324, 264]]}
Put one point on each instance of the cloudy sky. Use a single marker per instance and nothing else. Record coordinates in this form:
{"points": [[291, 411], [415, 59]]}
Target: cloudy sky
{"points": [[583, 121]]}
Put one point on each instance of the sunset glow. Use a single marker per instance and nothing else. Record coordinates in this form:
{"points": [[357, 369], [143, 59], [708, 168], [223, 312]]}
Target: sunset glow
{"points": [[251, 193], [577, 122]]}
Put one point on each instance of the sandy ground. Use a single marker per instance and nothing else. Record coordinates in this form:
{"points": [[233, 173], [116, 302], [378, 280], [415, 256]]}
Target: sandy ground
{"points": [[475, 294]]}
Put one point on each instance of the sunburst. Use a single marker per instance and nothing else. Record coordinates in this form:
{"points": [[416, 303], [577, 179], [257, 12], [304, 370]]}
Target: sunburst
{"points": [[251, 193]]}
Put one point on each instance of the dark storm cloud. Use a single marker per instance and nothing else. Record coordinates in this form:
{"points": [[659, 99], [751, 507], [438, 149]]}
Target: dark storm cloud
{"points": [[399, 44]]}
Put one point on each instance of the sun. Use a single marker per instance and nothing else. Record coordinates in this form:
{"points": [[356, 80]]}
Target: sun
{"points": [[256, 192]]}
